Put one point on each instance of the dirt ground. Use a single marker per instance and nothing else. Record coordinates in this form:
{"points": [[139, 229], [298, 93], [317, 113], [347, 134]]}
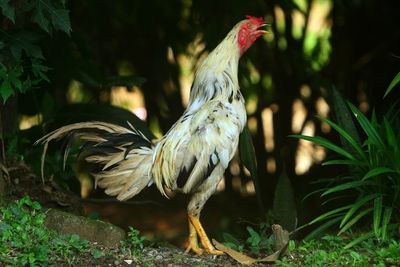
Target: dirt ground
{"points": [[24, 182]]}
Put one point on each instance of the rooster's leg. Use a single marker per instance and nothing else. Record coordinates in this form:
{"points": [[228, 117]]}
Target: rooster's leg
{"points": [[193, 243], [194, 223]]}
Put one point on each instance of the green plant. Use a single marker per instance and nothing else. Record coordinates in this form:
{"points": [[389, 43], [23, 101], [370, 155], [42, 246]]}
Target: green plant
{"points": [[255, 242], [26, 241], [67, 245], [373, 178], [135, 242], [22, 66], [330, 251]]}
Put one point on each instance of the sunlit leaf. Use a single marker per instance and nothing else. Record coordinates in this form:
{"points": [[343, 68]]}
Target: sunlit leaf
{"points": [[325, 143], [392, 84]]}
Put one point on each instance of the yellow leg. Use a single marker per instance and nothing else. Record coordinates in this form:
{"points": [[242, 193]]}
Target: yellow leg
{"points": [[193, 244], [195, 229]]}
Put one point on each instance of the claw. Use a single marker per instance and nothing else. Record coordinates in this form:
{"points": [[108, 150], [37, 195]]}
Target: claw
{"points": [[193, 244], [196, 229]]}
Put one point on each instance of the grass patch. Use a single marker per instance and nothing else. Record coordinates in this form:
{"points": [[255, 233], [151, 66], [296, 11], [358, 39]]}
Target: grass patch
{"points": [[330, 251], [25, 240]]}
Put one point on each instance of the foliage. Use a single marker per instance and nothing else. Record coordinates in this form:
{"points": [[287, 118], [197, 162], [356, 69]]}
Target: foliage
{"points": [[22, 66], [284, 205], [373, 185], [25, 240], [135, 242], [330, 251], [249, 160], [393, 84], [257, 241]]}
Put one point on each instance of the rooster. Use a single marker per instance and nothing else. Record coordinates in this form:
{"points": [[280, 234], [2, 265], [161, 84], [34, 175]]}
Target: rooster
{"points": [[192, 156]]}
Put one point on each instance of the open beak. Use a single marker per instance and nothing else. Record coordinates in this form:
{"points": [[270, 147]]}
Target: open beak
{"points": [[261, 32]]}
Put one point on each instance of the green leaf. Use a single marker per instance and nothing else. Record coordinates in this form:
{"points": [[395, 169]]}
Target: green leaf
{"points": [[345, 135], [387, 214], [377, 171], [390, 135], [345, 186], [354, 220], [367, 126], [25, 41], [60, 20], [39, 70], [284, 205], [359, 239], [358, 204], [248, 158], [344, 162], [377, 216], [328, 214], [5, 90], [7, 10], [393, 83], [325, 143], [319, 230], [344, 118], [39, 17]]}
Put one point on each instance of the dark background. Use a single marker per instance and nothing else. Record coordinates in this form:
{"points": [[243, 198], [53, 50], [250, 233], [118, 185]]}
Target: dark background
{"points": [[354, 47]]}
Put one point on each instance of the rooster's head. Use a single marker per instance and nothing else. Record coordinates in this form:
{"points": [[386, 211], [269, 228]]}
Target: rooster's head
{"points": [[249, 32]]}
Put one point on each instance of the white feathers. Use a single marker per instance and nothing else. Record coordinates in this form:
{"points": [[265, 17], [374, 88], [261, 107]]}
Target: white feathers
{"points": [[224, 158], [214, 159]]}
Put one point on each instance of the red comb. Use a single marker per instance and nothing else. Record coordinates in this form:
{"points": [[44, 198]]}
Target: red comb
{"points": [[255, 20]]}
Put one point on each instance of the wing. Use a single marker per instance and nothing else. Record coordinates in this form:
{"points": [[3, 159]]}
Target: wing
{"points": [[195, 145]]}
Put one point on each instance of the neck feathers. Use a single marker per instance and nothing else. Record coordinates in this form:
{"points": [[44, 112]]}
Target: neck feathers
{"points": [[216, 78]]}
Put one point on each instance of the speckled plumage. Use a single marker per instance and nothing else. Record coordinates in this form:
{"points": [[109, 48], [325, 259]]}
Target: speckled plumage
{"points": [[192, 157]]}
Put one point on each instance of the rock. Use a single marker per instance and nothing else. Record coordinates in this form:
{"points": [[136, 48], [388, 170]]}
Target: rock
{"points": [[104, 233]]}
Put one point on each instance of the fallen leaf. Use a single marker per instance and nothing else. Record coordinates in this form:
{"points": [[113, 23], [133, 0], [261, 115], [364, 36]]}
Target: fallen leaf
{"points": [[247, 260], [238, 256]]}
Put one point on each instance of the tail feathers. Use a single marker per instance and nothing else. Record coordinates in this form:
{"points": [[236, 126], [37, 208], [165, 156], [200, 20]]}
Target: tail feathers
{"points": [[124, 155]]}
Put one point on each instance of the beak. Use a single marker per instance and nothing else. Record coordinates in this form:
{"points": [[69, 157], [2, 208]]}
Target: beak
{"points": [[261, 32]]}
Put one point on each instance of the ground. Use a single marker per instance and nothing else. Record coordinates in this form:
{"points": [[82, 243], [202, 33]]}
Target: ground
{"points": [[103, 248]]}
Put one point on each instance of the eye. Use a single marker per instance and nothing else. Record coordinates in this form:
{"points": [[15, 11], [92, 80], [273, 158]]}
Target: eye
{"points": [[249, 25]]}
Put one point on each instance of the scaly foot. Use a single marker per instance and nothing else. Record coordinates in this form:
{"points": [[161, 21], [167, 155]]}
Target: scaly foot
{"points": [[196, 227]]}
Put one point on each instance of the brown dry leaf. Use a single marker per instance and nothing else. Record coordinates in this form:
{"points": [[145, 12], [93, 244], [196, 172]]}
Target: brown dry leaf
{"points": [[238, 256], [247, 260]]}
